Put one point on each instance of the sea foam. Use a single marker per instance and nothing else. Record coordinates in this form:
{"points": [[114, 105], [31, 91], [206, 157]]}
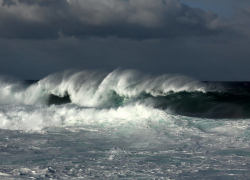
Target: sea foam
{"points": [[95, 88]]}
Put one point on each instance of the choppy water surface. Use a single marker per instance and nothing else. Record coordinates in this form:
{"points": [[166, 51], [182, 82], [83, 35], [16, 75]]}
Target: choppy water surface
{"points": [[123, 125]]}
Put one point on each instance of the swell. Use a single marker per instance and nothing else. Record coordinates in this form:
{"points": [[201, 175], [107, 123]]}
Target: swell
{"points": [[212, 105]]}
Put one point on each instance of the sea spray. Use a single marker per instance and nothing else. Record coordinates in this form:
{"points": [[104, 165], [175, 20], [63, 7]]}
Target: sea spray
{"points": [[123, 125], [95, 88]]}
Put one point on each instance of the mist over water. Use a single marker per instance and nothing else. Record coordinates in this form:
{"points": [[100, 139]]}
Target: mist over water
{"points": [[123, 124]]}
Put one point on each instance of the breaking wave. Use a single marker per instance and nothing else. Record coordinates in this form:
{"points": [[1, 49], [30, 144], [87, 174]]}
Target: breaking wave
{"points": [[96, 89], [123, 124]]}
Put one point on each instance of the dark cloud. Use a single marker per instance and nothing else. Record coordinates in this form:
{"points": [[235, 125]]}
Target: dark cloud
{"points": [[205, 58], [39, 37], [242, 22], [40, 19]]}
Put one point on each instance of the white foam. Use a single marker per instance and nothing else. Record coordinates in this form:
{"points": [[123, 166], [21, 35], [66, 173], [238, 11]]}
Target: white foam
{"points": [[15, 92], [95, 88], [36, 118]]}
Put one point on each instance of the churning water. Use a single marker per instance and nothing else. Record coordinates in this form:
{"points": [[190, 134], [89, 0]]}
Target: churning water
{"points": [[123, 125]]}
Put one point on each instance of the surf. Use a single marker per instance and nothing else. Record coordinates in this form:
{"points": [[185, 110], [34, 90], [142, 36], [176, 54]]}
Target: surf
{"points": [[94, 88], [89, 123], [171, 93]]}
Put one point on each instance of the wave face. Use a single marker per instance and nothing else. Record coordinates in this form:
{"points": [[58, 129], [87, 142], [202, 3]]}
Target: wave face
{"points": [[174, 93]]}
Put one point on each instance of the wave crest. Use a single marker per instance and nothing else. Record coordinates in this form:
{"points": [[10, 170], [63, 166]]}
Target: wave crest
{"points": [[98, 89], [94, 88]]}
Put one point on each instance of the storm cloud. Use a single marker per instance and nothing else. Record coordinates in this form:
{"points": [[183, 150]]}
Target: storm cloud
{"points": [[208, 40], [135, 19]]}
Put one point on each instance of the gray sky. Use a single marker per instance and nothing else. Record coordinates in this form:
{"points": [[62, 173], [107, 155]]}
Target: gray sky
{"points": [[208, 40]]}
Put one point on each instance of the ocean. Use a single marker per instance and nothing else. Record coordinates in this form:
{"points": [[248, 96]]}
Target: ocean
{"points": [[123, 125]]}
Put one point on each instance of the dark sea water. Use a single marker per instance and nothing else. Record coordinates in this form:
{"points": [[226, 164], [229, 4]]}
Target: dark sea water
{"points": [[123, 125]]}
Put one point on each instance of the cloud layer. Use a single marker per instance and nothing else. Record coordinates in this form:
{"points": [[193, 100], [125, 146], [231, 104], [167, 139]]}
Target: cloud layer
{"points": [[136, 19]]}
